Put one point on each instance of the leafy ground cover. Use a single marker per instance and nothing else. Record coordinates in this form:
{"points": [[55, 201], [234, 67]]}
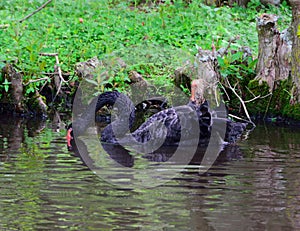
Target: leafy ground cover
{"points": [[81, 29]]}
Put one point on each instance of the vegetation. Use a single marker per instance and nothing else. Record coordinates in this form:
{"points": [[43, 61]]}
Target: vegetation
{"points": [[79, 30]]}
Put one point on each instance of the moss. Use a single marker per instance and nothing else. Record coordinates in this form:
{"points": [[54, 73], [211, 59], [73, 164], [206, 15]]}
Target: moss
{"points": [[292, 111], [274, 105], [258, 106]]}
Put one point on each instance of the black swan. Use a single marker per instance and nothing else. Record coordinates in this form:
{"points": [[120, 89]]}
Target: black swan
{"points": [[167, 127], [173, 126]]}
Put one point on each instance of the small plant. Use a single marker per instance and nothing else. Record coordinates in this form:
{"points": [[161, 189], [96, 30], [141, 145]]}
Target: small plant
{"points": [[6, 85], [236, 66]]}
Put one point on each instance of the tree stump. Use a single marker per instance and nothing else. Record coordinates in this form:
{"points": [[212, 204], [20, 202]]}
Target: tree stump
{"points": [[207, 77], [14, 99], [273, 2], [88, 68], [274, 51], [203, 76], [227, 2], [296, 50], [14, 95]]}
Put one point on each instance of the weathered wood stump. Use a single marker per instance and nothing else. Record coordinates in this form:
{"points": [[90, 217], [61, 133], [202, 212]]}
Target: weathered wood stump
{"points": [[203, 74], [227, 2], [296, 50], [14, 96], [273, 2], [274, 57], [88, 68]]}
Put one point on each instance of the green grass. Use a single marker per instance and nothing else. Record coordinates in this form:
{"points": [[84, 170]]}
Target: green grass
{"points": [[111, 26]]}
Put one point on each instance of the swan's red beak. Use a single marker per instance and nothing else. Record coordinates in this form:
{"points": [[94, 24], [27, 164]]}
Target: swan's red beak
{"points": [[69, 137]]}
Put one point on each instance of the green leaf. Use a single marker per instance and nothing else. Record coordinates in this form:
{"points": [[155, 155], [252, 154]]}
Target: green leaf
{"points": [[221, 61], [29, 90], [2, 65], [252, 64], [236, 56], [42, 65], [6, 85]]}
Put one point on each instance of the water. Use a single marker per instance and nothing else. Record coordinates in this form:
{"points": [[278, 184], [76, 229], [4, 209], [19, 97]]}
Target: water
{"points": [[254, 185]]}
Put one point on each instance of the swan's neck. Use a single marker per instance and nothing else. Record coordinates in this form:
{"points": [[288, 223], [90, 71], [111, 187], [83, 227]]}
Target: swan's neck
{"points": [[120, 101]]}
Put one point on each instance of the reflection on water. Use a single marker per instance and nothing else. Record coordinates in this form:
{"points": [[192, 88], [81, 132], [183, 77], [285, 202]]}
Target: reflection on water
{"points": [[253, 186]]}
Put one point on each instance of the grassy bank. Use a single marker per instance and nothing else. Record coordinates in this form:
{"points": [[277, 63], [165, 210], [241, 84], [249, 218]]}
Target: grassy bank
{"points": [[81, 29]]}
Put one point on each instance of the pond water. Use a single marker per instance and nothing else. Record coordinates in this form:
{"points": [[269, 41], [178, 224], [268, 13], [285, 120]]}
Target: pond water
{"points": [[254, 185]]}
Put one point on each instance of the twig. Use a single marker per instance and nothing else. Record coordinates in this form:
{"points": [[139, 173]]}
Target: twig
{"points": [[232, 40], [242, 102], [250, 92], [42, 87], [36, 80], [257, 97], [48, 54], [228, 97], [236, 117], [265, 96], [4, 26], [34, 12], [57, 64], [59, 72], [250, 100], [267, 109]]}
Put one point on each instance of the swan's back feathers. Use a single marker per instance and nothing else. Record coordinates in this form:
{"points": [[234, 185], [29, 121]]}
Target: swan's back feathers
{"points": [[174, 125]]}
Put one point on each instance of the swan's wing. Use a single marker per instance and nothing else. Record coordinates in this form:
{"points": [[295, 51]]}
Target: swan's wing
{"points": [[169, 124]]}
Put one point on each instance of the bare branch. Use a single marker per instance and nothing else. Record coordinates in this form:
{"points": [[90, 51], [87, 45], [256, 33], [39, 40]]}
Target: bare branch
{"points": [[242, 102], [236, 117], [59, 70], [228, 97], [250, 92], [57, 64], [250, 100], [48, 54], [257, 97], [36, 80], [34, 12], [4, 26], [232, 40], [42, 87], [265, 96]]}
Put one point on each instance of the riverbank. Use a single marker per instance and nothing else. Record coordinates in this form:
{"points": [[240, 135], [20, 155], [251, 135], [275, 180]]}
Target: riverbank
{"points": [[47, 49]]}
